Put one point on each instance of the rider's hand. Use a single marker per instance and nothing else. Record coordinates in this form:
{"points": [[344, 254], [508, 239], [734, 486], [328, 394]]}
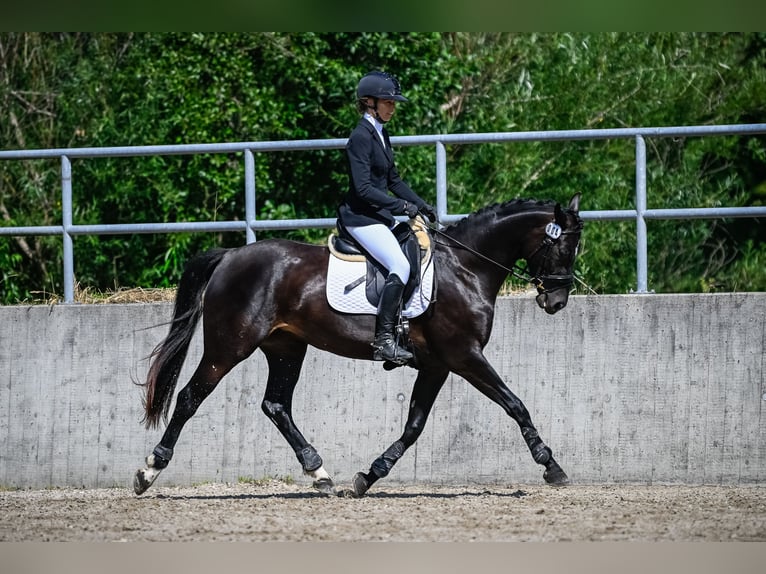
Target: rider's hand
{"points": [[410, 209], [428, 212]]}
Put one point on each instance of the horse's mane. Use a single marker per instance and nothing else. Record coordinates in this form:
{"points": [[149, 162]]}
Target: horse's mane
{"points": [[508, 207]]}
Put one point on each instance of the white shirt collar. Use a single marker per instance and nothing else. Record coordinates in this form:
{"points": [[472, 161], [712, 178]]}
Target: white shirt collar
{"points": [[378, 126]]}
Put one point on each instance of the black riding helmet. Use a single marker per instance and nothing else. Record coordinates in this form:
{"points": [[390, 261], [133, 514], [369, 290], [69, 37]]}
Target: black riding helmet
{"points": [[380, 85]]}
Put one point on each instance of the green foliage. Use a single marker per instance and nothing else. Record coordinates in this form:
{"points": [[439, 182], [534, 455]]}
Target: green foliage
{"points": [[82, 90], [580, 81]]}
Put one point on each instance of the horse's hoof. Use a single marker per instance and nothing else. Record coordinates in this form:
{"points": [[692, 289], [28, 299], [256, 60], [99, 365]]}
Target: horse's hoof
{"points": [[359, 485], [325, 486], [555, 476], [140, 484], [143, 479]]}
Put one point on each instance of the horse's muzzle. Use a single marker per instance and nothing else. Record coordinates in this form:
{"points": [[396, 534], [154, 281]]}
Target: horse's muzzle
{"points": [[551, 301]]}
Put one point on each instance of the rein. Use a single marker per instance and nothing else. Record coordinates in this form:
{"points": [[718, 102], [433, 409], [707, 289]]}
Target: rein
{"points": [[552, 233]]}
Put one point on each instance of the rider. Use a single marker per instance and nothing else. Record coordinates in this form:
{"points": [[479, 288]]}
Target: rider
{"points": [[367, 211]]}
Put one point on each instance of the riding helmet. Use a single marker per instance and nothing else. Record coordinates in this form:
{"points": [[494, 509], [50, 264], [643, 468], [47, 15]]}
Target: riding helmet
{"points": [[380, 85]]}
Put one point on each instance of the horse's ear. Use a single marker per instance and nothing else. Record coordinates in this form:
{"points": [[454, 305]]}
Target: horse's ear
{"points": [[574, 207], [574, 203]]}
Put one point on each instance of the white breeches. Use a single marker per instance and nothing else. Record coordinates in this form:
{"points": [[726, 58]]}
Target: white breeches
{"points": [[380, 242]]}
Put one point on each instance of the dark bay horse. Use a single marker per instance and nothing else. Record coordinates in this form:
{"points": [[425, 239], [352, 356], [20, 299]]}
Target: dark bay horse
{"points": [[271, 295]]}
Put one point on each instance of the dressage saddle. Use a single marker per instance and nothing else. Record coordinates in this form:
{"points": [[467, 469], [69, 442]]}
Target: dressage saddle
{"points": [[343, 245]]}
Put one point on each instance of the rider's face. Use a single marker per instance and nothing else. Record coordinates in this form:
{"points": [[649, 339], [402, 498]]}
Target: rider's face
{"points": [[386, 109]]}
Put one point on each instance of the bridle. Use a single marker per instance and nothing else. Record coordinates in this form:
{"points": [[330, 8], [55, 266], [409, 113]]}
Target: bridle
{"points": [[547, 282], [544, 282]]}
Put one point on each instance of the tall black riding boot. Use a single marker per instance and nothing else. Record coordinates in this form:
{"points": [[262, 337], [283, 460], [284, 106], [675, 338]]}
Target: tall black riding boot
{"points": [[385, 345]]}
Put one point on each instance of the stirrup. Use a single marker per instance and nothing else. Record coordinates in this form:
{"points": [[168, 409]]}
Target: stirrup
{"points": [[390, 351]]}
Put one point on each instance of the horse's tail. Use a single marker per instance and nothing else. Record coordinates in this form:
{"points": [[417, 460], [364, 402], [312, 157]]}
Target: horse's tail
{"points": [[168, 357]]}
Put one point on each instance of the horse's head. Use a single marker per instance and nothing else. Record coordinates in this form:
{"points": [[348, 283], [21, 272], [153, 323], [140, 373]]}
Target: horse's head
{"points": [[551, 263]]}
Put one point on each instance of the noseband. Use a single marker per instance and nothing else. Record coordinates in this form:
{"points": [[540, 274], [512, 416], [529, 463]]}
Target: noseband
{"points": [[547, 282]]}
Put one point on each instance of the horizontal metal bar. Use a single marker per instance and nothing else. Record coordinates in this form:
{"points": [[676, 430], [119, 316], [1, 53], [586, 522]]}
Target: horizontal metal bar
{"points": [[293, 223], [181, 149], [705, 213], [32, 230], [590, 134], [170, 227], [616, 215], [336, 143], [680, 213], [143, 228], [285, 224]]}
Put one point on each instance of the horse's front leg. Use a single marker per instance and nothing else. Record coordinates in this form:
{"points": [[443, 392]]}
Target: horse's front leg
{"points": [[477, 371], [426, 388]]}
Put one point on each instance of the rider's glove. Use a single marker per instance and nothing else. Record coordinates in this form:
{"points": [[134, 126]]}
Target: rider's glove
{"points": [[410, 209], [428, 212]]}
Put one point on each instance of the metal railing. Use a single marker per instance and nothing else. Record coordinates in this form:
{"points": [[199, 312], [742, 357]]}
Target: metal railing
{"points": [[251, 224]]}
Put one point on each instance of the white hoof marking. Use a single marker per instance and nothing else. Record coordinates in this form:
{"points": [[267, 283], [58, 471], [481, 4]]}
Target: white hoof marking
{"points": [[317, 474]]}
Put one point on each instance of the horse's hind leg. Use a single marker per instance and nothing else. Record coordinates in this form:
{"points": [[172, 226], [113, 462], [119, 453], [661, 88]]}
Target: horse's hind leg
{"points": [[424, 392], [285, 355], [206, 377]]}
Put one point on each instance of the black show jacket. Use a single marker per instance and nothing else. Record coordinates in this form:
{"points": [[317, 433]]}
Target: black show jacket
{"points": [[372, 173]]}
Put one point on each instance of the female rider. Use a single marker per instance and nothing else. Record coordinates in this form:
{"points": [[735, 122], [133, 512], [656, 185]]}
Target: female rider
{"points": [[368, 210]]}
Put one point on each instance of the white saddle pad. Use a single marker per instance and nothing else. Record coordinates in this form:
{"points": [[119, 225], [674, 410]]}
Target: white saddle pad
{"points": [[342, 273]]}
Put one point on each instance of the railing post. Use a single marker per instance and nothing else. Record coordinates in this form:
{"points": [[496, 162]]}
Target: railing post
{"points": [[641, 243], [441, 180], [66, 220], [249, 195]]}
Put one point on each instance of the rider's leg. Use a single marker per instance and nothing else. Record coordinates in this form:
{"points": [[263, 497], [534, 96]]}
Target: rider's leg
{"points": [[381, 244]]}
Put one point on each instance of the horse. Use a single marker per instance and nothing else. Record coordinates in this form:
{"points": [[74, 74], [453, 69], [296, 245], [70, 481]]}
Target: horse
{"points": [[270, 295]]}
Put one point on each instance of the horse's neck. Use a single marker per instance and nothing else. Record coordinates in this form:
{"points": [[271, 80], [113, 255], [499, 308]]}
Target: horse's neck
{"points": [[504, 238]]}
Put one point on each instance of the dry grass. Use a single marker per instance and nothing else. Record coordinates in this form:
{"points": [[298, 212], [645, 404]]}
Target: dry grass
{"points": [[120, 296], [90, 296]]}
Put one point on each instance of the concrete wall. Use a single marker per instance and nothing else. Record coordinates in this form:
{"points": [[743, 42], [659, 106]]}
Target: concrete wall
{"points": [[631, 388]]}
